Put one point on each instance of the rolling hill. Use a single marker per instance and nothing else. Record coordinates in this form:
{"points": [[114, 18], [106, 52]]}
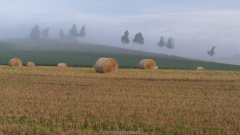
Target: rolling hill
{"points": [[75, 54]]}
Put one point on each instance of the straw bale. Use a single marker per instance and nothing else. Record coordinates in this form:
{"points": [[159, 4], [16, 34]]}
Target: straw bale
{"points": [[106, 65], [200, 68], [62, 65], [147, 64], [30, 64], [15, 62]]}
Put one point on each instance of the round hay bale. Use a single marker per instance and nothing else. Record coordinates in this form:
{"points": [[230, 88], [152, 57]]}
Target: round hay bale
{"points": [[147, 64], [156, 67], [15, 62], [200, 68], [106, 65], [62, 65], [30, 64]]}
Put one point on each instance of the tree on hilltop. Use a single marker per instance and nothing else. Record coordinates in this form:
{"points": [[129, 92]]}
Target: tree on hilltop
{"points": [[138, 39], [82, 32], [170, 43], [211, 52], [125, 38], [161, 43], [35, 33], [73, 32]]}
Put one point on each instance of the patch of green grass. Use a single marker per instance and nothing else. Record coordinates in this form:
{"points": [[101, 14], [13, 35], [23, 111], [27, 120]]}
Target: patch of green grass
{"points": [[68, 124]]}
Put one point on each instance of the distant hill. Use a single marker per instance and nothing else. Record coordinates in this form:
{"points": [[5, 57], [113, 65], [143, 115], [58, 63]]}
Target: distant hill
{"points": [[60, 45], [51, 52]]}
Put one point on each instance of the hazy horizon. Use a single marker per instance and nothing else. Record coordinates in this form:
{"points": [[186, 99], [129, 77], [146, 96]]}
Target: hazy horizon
{"points": [[196, 26]]}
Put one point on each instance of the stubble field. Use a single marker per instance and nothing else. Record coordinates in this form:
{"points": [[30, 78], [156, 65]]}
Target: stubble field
{"points": [[51, 100]]}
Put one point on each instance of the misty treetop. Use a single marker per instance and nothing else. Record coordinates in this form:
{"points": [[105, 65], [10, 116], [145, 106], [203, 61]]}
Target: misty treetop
{"points": [[170, 43], [211, 52], [138, 38], [161, 43], [125, 38], [82, 32], [73, 31], [35, 33]]}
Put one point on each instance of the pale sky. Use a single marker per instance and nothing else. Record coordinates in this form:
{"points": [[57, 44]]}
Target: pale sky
{"points": [[196, 25]]}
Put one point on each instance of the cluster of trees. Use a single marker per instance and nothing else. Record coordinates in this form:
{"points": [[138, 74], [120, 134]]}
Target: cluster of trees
{"points": [[73, 33], [36, 33], [138, 38], [169, 44]]}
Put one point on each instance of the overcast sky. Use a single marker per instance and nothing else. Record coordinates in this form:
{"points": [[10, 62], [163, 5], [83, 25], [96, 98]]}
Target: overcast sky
{"points": [[196, 25]]}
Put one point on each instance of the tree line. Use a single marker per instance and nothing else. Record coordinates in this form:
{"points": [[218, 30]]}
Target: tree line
{"points": [[36, 33], [139, 39]]}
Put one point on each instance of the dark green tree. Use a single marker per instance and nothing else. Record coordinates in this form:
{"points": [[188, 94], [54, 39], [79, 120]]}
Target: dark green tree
{"points": [[73, 32], [35, 33], [82, 32], [125, 38], [161, 43], [138, 39], [211, 52], [170, 43], [45, 33]]}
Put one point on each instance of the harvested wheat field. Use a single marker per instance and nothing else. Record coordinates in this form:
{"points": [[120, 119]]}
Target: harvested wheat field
{"points": [[51, 100]]}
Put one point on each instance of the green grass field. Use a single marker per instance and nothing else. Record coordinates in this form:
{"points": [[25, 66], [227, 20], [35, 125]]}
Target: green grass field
{"points": [[82, 58]]}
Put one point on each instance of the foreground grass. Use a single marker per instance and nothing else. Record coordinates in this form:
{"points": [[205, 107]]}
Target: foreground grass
{"points": [[50, 100]]}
